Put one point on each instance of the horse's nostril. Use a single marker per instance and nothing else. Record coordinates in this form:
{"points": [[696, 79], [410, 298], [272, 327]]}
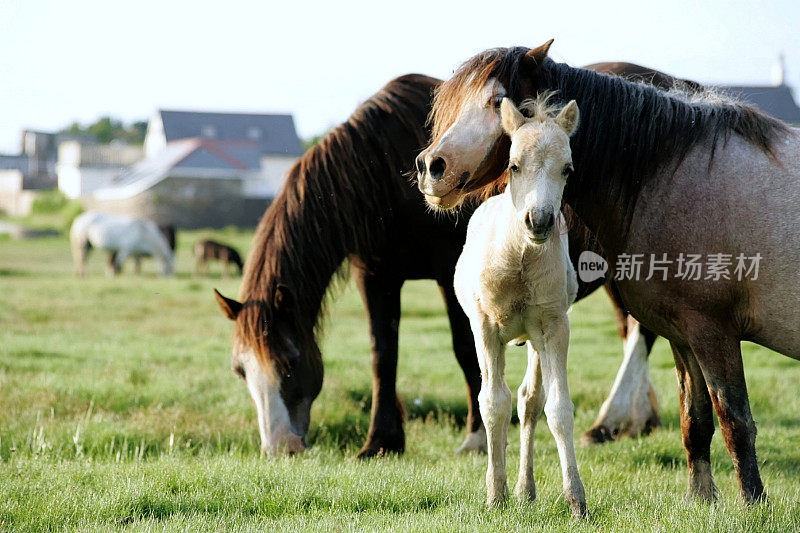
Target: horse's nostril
{"points": [[420, 165], [437, 168]]}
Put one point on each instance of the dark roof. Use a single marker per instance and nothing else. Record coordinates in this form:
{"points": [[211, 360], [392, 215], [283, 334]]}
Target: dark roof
{"points": [[14, 162], [274, 133], [775, 100]]}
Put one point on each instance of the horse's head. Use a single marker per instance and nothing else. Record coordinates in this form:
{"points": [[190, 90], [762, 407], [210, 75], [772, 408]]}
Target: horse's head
{"points": [[540, 160], [283, 372], [469, 150]]}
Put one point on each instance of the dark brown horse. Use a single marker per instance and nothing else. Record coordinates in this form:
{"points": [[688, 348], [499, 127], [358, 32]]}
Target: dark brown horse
{"points": [[317, 222], [661, 175], [206, 250]]}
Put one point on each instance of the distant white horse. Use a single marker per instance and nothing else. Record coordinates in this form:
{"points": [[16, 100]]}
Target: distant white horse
{"points": [[122, 236], [516, 284]]}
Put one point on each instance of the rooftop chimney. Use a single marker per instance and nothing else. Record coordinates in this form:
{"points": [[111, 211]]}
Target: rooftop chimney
{"points": [[779, 71]]}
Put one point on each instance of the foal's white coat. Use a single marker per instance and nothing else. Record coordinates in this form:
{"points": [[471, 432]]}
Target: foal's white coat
{"points": [[124, 235], [516, 286]]}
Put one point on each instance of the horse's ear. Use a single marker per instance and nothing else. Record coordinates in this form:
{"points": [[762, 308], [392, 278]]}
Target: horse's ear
{"points": [[510, 117], [568, 117], [534, 58], [230, 308]]}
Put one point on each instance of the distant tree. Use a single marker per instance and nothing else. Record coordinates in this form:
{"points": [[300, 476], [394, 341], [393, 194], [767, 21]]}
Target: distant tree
{"points": [[311, 141], [108, 129]]}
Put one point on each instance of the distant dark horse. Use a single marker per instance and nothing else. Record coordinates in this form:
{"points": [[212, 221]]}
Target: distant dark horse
{"points": [[348, 197], [207, 249], [664, 177]]}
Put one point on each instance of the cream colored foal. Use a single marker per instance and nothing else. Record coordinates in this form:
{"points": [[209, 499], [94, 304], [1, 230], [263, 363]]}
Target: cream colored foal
{"points": [[516, 282]]}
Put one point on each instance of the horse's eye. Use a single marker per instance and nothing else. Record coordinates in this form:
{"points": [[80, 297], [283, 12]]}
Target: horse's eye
{"points": [[567, 170], [495, 101], [239, 371], [513, 168]]}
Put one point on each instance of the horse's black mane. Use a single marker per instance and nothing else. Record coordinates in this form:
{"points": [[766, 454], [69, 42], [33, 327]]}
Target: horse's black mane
{"points": [[629, 131], [337, 199]]}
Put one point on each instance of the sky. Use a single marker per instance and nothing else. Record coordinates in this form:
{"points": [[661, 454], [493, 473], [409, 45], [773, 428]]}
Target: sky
{"points": [[76, 60]]}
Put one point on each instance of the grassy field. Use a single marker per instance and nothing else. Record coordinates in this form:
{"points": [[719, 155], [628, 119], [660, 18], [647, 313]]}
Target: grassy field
{"points": [[118, 409]]}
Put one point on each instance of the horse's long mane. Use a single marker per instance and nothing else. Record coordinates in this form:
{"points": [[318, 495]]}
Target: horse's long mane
{"points": [[630, 131], [627, 130], [338, 199]]}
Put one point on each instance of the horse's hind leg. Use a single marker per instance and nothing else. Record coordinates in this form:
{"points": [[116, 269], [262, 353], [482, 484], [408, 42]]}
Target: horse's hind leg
{"points": [[631, 408], [697, 422], [530, 400], [559, 407], [720, 357], [381, 297], [464, 348]]}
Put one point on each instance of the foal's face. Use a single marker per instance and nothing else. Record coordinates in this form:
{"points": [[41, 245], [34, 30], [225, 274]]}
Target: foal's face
{"points": [[282, 393], [451, 161], [540, 160]]}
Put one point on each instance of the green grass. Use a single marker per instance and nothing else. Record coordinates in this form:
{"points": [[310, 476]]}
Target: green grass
{"points": [[118, 409]]}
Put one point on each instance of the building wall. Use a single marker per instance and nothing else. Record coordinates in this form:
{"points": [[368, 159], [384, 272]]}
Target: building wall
{"points": [[14, 199], [190, 203], [154, 140], [273, 173], [82, 168]]}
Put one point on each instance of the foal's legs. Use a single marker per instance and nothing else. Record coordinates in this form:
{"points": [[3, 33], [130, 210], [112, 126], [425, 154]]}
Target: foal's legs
{"points": [[381, 295], [697, 422], [495, 404], [530, 400], [464, 348], [559, 407], [719, 355]]}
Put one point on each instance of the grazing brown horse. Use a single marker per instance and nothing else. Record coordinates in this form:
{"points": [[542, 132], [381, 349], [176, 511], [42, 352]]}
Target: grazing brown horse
{"points": [[662, 175], [206, 250]]}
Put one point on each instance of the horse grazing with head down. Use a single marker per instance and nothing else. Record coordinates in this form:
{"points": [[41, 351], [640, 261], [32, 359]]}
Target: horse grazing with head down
{"points": [[122, 237], [516, 282], [207, 249], [661, 176]]}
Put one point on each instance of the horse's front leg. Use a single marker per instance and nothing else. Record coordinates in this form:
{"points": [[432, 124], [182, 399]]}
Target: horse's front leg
{"points": [[495, 405], [559, 407], [530, 400], [464, 348], [381, 295]]}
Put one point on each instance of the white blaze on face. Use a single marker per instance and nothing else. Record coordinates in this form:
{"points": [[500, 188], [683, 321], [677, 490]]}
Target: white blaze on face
{"points": [[465, 146], [273, 417]]}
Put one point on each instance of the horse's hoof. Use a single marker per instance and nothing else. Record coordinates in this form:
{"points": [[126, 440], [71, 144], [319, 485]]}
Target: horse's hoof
{"points": [[525, 492], [597, 435], [579, 509], [475, 442], [378, 450]]}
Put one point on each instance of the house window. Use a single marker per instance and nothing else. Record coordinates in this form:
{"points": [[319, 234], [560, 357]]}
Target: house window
{"points": [[254, 133], [209, 132]]}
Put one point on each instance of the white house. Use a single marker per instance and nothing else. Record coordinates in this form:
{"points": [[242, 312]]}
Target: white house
{"points": [[205, 169]]}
